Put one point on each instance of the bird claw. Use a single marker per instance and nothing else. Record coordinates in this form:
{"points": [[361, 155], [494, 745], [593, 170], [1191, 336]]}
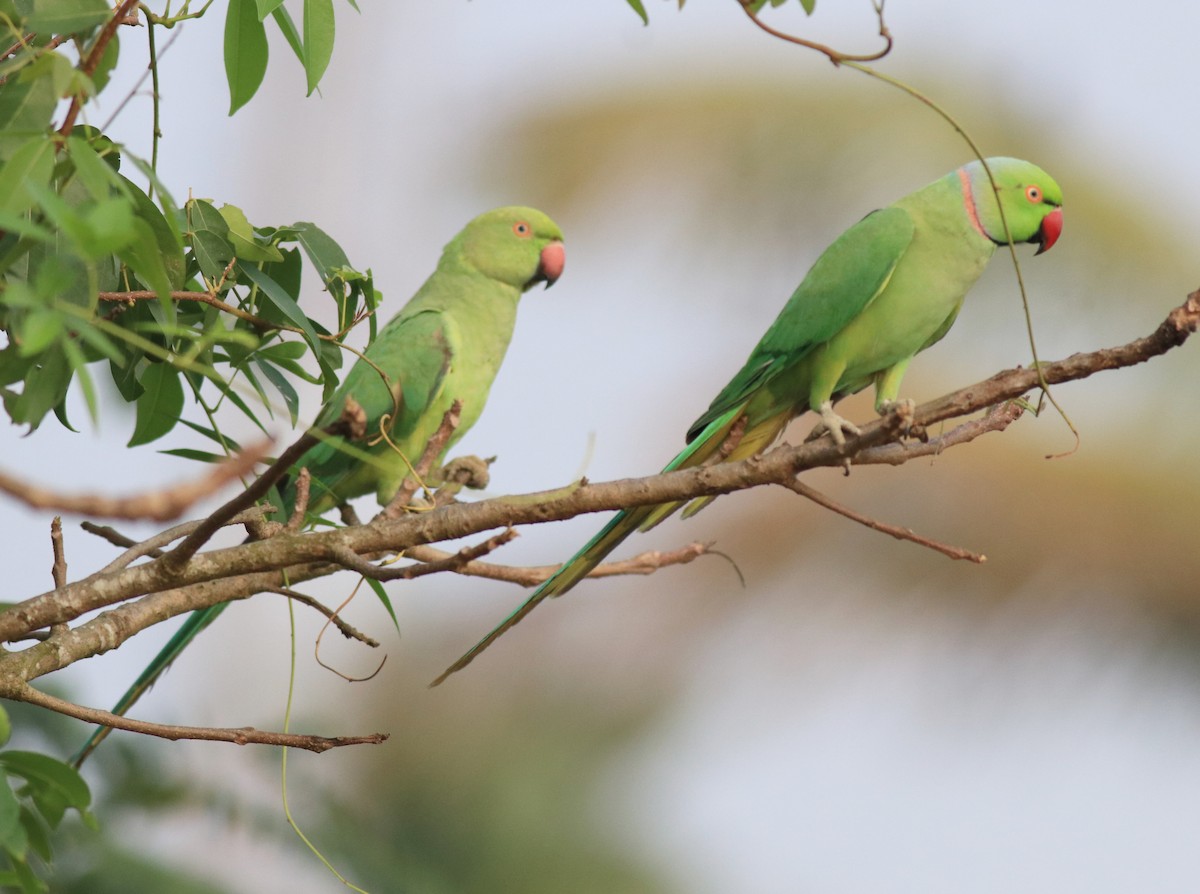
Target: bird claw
{"points": [[903, 411], [834, 425]]}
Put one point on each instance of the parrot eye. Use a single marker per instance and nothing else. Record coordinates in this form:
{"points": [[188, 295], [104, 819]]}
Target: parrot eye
{"points": [[522, 229], [1033, 194]]}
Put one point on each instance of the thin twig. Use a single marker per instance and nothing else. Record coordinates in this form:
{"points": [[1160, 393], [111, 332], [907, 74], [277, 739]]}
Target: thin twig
{"points": [[162, 505], [352, 561], [998, 418], [433, 449], [59, 570], [320, 635], [213, 301], [330, 614], [954, 552], [89, 63], [247, 735], [350, 424], [834, 56], [530, 576], [152, 546]]}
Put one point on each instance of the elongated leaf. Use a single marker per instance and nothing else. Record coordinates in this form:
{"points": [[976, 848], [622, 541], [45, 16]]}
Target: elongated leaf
{"points": [[66, 16], [640, 9], [210, 241], [275, 295], [220, 438], [159, 406], [31, 164], [288, 28], [43, 771], [318, 40], [26, 106], [12, 833], [241, 237], [283, 386], [266, 7], [166, 243], [245, 52], [380, 592]]}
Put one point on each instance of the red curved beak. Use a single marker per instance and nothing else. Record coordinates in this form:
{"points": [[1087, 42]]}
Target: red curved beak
{"points": [[550, 266], [1050, 230]]}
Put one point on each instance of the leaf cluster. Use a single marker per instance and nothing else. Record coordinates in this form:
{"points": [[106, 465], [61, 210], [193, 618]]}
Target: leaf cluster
{"points": [[102, 270]]}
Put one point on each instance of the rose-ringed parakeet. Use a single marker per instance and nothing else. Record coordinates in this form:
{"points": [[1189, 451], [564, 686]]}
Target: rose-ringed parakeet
{"points": [[885, 290], [446, 344]]}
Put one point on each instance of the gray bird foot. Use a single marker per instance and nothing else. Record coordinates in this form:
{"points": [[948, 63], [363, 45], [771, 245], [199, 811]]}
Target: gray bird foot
{"points": [[835, 425]]}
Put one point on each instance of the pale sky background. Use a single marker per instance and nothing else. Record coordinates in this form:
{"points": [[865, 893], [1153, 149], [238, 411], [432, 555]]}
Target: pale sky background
{"points": [[1049, 755]]}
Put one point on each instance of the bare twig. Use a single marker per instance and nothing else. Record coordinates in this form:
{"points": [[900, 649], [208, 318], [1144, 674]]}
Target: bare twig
{"points": [[998, 418], [433, 449], [89, 63], [352, 561], [59, 570], [349, 423], [23, 692], [212, 300], [162, 505], [834, 56], [152, 546], [954, 552], [530, 576], [331, 615], [300, 507]]}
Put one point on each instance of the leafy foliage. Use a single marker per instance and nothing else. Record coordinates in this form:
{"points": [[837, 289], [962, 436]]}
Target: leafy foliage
{"points": [[754, 5], [99, 264]]}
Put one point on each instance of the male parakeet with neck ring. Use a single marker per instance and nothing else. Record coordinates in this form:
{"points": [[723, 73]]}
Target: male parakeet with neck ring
{"points": [[885, 290]]}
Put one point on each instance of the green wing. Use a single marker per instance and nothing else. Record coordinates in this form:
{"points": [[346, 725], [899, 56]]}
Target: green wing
{"points": [[845, 279], [414, 353]]}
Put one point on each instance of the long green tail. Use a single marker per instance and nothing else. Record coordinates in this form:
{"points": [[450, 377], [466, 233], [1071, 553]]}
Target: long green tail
{"points": [[195, 623], [609, 538]]}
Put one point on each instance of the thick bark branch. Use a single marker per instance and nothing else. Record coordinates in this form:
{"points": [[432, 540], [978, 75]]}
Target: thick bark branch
{"points": [[153, 592]]}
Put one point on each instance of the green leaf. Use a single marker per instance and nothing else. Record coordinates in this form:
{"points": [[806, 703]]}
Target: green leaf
{"points": [[159, 406], [44, 772], [277, 297], [38, 331], [377, 586], [318, 40], [266, 7], [284, 20], [5, 727], [26, 107], [35, 830], [245, 52], [210, 242], [12, 833], [96, 174], [45, 385], [65, 16], [86, 384], [241, 237], [196, 455], [640, 10], [283, 386], [166, 236], [32, 163], [108, 62]]}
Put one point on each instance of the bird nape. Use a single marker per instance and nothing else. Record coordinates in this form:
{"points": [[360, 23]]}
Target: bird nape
{"points": [[885, 290]]}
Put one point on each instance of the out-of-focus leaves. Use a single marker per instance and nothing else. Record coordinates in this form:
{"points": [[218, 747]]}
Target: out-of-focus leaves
{"points": [[29, 165], [245, 52], [26, 105], [63, 16], [640, 9]]}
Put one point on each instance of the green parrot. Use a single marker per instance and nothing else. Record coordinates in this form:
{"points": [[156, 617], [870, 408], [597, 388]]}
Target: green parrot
{"points": [[446, 344], [885, 290]]}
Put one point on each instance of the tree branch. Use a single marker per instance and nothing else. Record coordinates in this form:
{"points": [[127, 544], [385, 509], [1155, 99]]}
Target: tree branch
{"points": [[162, 505], [247, 735], [238, 572]]}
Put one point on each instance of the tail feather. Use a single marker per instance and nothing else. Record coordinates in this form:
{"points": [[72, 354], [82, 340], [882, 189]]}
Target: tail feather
{"points": [[572, 572], [192, 627], [609, 538]]}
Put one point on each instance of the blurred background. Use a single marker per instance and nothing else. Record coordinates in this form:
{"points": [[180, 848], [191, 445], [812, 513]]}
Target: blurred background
{"points": [[862, 715]]}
